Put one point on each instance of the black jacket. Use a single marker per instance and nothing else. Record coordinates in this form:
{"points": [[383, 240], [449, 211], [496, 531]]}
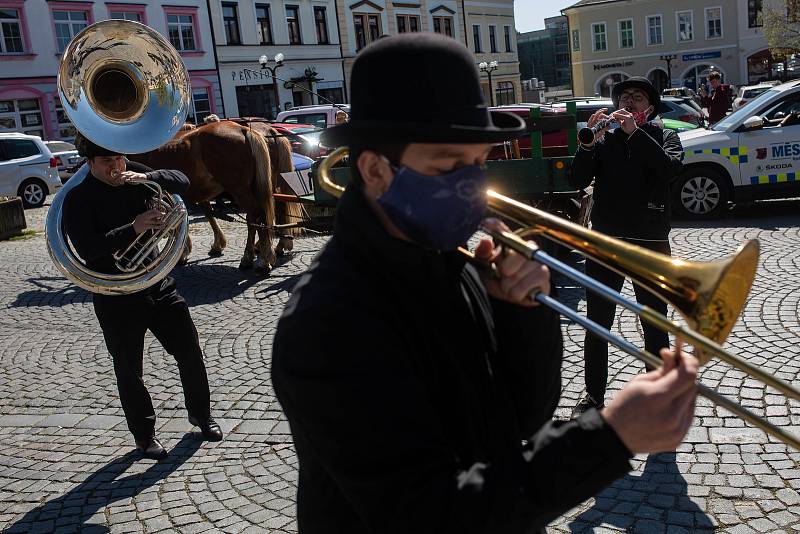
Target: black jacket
{"points": [[409, 391], [98, 218], [632, 178]]}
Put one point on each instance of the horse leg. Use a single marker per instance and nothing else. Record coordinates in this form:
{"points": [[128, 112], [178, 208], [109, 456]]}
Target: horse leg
{"points": [[187, 250], [266, 254], [247, 257], [219, 238]]}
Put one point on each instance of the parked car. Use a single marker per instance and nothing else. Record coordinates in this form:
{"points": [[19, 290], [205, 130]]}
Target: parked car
{"points": [[323, 116], [303, 137], [27, 169], [671, 108], [67, 158], [681, 92], [747, 93], [748, 155], [678, 126]]}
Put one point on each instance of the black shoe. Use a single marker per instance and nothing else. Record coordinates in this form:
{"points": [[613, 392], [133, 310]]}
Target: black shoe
{"points": [[586, 402], [152, 449], [210, 428]]}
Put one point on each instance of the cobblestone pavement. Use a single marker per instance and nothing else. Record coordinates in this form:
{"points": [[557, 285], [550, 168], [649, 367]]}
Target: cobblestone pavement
{"points": [[65, 452]]}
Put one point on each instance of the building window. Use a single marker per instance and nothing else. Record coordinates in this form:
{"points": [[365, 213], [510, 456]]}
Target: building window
{"points": [[476, 38], [755, 13], [230, 21], [201, 105], [626, 33], [66, 131], [125, 15], [263, 24], [713, 22], [507, 36], [293, 22], [505, 94], [685, 26], [493, 39], [407, 23], [181, 31], [368, 29], [655, 33], [22, 115], [10, 31], [68, 24], [576, 40], [321, 22], [599, 43], [443, 25]]}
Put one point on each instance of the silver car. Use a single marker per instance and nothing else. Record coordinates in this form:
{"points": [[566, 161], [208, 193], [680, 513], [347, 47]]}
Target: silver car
{"points": [[67, 158], [27, 169]]}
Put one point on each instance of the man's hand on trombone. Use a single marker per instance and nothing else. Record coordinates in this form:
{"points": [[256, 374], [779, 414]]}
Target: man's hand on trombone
{"points": [[653, 412], [514, 278]]}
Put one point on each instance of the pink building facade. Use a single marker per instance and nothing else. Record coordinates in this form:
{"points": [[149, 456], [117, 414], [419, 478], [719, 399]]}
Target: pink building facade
{"points": [[34, 33]]}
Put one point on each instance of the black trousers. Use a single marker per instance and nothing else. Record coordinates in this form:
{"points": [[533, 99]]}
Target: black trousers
{"points": [[124, 320], [602, 311]]}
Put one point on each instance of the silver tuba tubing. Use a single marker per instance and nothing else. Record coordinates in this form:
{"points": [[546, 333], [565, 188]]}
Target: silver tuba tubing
{"points": [[125, 88]]}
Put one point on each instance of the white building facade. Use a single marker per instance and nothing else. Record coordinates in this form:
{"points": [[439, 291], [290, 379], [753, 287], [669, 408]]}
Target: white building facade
{"points": [[305, 32], [35, 33]]}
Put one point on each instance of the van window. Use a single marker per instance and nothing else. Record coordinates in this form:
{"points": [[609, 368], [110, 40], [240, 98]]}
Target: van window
{"points": [[19, 148], [320, 120]]}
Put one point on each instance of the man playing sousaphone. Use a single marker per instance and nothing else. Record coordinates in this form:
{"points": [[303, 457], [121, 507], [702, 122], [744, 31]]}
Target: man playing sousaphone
{"points": [[104, 214], [420, 390], [632, 168]]}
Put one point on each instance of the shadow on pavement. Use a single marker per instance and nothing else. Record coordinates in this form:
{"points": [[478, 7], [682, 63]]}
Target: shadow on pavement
{"points": [[651, 502], [781, 213], [71, 511]]}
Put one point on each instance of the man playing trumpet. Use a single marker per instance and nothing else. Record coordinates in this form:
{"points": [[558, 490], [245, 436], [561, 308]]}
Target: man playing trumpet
{"points": [[632, 168]]}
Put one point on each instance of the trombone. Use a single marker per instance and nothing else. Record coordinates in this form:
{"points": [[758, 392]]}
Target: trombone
{"points": [[710, 296]]}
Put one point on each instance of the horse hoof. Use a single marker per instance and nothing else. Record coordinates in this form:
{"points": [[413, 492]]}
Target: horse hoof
{"points": [[214, 253], [246, 265]]}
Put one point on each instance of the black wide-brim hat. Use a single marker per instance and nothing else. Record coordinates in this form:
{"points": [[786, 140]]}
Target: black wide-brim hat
{"points": [[419, 88], [637, 82], [87, 149]]}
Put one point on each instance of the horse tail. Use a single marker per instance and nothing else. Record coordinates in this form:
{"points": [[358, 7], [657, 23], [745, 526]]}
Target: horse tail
{"points": [[262, 174], [285, 162]]}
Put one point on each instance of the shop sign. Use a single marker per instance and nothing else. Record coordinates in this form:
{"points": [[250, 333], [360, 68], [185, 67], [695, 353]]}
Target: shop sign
{"points": [[247, 75], [617, 65], [704, 55]]}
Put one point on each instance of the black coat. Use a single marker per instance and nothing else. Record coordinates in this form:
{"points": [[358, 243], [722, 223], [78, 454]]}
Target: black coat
{"points": [[632, 180], [409, 392], [98, 217]]}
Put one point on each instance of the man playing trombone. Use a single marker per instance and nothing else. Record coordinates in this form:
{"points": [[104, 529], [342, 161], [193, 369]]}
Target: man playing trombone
{"points": [[102, 215], [632, 168], [419, 389]]}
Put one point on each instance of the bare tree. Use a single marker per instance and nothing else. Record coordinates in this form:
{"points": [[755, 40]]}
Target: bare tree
{"points": [[781, 28]]}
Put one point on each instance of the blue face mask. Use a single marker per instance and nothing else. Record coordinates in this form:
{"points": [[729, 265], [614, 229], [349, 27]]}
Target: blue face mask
{"points": [[440, 212]]}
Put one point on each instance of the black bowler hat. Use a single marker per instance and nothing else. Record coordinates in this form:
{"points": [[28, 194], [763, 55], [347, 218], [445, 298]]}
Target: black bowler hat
{"points": [[641, 83], [419, 88], [87, 149]]}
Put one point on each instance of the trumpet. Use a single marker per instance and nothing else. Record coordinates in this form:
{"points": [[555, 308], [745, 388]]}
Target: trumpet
{"points": [[709, 295]]}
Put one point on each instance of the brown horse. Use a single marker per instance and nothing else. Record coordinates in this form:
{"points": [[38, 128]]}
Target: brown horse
{"points": [[225, 156]]}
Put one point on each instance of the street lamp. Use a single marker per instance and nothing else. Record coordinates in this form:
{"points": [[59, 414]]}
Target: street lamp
{"points": [[264, 61], [489, 68], [668, 58]]}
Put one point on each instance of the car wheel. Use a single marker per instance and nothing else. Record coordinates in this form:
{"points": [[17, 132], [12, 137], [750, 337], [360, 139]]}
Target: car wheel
{"points": [[33, 192], [701, 193]]}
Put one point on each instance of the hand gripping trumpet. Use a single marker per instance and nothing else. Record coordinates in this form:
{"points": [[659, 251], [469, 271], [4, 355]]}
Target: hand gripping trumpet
{"points": [[709, 295]]}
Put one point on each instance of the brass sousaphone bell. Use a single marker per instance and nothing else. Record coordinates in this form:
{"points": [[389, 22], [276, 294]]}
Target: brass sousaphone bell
{"points": [[125, 88]]}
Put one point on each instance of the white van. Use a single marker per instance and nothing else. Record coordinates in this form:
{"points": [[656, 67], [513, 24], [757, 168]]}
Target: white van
{"points": [[27, 169], [319, 116], [752, 154]]}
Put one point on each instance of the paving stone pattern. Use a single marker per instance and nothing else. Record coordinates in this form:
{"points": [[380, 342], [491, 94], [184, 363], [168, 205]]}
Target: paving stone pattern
{"points": [[66, 463]]}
